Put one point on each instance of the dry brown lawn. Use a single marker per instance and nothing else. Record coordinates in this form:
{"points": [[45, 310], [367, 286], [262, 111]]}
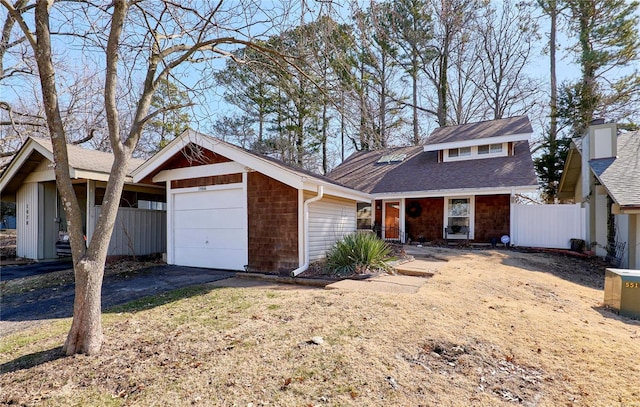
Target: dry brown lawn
{"points": [[491, 328]]}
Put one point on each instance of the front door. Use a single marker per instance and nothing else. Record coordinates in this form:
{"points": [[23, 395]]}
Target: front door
{"points": [[392, 220]]}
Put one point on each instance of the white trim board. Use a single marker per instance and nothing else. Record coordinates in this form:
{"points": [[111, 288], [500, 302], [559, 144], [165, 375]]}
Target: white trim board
{"points": [[478, 142]]}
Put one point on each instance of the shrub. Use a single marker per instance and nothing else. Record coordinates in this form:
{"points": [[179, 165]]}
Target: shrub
{"points": [[358, 253]]}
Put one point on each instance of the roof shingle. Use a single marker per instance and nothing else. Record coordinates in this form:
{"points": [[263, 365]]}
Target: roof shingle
{"points": [[621, 175], [481, 130], [89, 160], [421, 171]]}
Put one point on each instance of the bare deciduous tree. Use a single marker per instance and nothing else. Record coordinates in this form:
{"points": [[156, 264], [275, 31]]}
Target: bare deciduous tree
{"points": [[137, 44], [507, 35]]}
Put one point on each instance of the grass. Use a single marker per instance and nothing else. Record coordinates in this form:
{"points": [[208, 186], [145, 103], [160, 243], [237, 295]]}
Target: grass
{"points": [[491, 328]]}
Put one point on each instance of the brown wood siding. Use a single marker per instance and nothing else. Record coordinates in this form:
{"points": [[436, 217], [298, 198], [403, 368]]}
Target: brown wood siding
{"points": [[206, 181], [190, 156], [492, 217], [429, 223], [273, 225]]}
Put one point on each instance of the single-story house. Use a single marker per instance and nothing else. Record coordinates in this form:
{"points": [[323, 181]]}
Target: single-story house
{"points": [[232, 209], [459, 185], [29, 181], [602, 173]]}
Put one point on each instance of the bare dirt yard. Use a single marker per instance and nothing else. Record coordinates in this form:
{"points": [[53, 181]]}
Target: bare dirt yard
{"points": [[491, 328]]}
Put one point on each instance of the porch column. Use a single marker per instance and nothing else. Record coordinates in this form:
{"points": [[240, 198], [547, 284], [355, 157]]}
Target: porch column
{"points": [[170, 240], [402, 226], [512, 203]]}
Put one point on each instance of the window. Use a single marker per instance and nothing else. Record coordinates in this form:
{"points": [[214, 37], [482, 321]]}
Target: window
{"points": [[460, 152], [495, 148], [458, 214], [363, 219], [154, 205], [392, 158], [490, 149]]}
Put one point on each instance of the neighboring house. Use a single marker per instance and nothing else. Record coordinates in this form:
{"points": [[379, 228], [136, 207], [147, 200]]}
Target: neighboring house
{"points": [[460, 183], [231, 209], [602, 172], [29, 181]]}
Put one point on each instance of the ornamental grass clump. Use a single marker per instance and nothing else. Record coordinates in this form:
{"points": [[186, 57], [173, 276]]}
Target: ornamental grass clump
{"points": [[358, 253]]}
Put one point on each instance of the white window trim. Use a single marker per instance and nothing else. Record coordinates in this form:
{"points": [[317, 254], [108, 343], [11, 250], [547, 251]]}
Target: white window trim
{"points": [[472, 216], [371, 214], [474, 153]]}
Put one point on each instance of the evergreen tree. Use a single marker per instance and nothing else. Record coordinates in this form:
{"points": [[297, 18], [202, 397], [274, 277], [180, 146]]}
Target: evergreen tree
{"points": [[608, 41], [171, 119]]}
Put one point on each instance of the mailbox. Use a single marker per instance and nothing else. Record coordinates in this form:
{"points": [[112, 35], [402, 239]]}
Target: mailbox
{"points": [[622, 291]]}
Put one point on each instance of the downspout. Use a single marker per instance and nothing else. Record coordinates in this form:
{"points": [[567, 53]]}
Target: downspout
{"points": [[305, 226]]}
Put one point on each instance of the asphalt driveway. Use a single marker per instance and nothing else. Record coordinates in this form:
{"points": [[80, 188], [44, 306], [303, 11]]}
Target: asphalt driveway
{"points": [[57, 302], [26, 270]]}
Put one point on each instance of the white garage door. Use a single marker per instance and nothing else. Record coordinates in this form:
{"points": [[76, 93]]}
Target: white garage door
{"points": [[210, 228]]}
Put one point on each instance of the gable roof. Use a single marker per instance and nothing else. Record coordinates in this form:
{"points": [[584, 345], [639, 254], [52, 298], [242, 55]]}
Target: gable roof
{"points": [[89, 160], [421, 172], [492, 131], [621, 175], [83, 163], [295, 177]]}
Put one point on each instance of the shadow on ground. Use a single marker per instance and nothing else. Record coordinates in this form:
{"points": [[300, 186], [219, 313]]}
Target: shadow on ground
{"points": [[586, 272], [57, 302], [611, 313], [32, 360]]}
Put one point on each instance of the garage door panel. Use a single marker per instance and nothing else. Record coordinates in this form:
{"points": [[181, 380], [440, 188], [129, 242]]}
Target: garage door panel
{"points": [[209, 218], [212, 258], [210, 228], [205, 239], [224, 198]]}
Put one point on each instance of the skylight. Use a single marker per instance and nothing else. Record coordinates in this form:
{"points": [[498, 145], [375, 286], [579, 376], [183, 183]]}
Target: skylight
{"points": [[392, 158]]}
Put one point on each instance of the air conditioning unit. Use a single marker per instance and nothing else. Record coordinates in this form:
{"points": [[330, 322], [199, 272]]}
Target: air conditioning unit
{"points": [[622, 291]]}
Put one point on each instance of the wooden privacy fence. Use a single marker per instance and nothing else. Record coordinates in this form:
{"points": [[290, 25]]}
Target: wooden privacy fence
{"points": [[137, 232], [549, 226]]}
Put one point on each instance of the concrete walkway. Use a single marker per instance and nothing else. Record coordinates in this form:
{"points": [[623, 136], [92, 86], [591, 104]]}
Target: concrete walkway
{"points": [[410, 277], [418, 268]]}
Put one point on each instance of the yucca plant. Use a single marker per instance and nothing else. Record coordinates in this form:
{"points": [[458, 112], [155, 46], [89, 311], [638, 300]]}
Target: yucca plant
{"points": [[358, 253]]}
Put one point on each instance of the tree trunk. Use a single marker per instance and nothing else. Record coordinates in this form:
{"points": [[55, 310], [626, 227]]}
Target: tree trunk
{"points": [[414, 80], [85, 335], [553, 103]]}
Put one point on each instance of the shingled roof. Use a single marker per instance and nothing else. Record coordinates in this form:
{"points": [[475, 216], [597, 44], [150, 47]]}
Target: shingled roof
{"points": [[621, 175], [481, 130], [420, 171], [89, 160], [94, 164]]}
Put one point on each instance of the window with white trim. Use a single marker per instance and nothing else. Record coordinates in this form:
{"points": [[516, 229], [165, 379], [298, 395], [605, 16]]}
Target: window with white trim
{"points": [[364, 215], [476, 152], [459, 216], [460, 152], [490, 149]]}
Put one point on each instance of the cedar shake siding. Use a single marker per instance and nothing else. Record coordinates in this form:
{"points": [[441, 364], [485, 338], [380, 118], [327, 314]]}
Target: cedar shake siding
{"points": [[273, 224], [190, 156], [207, 181], [492, 217], [429, 222]]}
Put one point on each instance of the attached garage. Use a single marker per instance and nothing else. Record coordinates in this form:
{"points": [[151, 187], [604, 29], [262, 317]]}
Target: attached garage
{"points": [[229, 208], [210, 227]]}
